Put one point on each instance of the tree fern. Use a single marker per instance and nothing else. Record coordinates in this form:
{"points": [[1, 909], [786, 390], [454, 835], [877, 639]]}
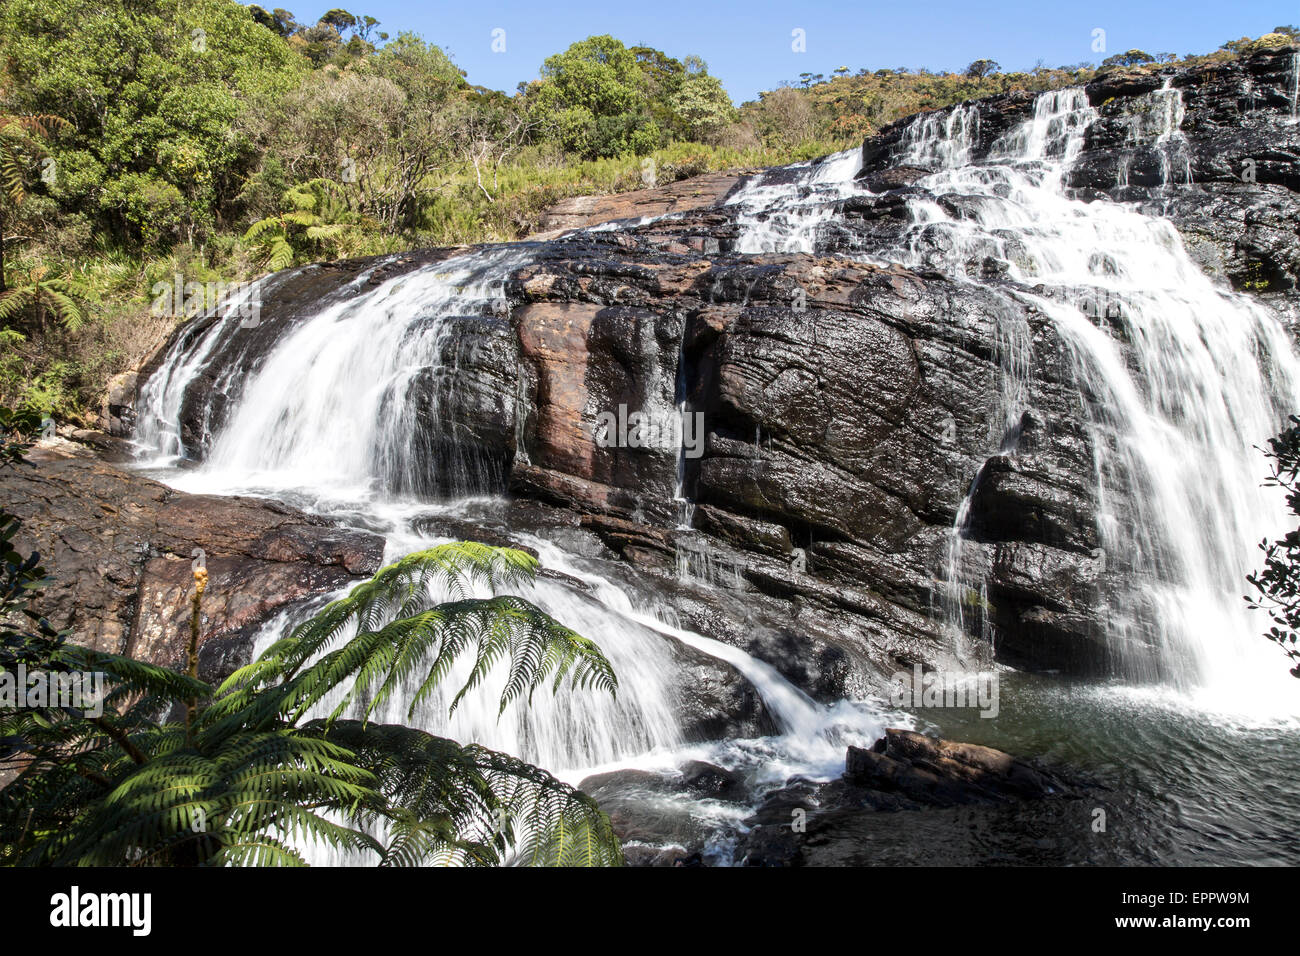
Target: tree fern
{"points": [[257, 777]]}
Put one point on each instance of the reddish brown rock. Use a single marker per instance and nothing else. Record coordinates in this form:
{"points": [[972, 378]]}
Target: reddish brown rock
{"points": [[553, 335], [698, 192], [935, 772], [119, 548]]}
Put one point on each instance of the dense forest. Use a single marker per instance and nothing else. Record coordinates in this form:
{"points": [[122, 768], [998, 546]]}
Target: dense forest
{"points": [[215, 142]]}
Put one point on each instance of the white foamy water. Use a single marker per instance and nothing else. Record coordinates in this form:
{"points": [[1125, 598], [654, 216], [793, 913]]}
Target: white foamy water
{"points": [[1180, 390], [781, 211]]}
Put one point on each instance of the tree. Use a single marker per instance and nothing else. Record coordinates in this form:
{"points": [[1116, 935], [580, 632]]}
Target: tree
{"points": [[20, 147], [785, 116], [279, 20], [982, 68], [154, 91], [341, 20], [383, 134], [594, 96], [1277, 586], [1128, 58], [485, 134], [248, 776], [702, 106], [57, 295]]}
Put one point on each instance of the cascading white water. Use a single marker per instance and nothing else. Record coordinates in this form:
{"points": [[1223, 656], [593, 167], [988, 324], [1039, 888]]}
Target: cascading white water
{"points": [[780, 214], [1167, 120], [942, 139], [158, 428], [1295, 87], [1179, 394], [332, 408], [1192, 379], [328, 418], [577, 732]]}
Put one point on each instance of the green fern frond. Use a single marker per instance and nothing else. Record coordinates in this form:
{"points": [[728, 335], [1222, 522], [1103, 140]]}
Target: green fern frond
{"points": [[262, 226], [281, 255], [402, 633], [497, 806], [13, 301], [243, 785]]}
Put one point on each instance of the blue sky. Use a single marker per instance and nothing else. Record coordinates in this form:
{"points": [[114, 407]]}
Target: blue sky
{"points": [[748, 44]]}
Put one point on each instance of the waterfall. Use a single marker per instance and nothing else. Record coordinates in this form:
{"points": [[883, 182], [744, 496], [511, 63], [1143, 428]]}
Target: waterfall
{"points": [[1178, 396], [1295, 87], [336, 417], [1171, 140], [777, 214], [351, 401], [1156, 124], [1178, 393], [158, 425], [943, 138], [347, 412]]}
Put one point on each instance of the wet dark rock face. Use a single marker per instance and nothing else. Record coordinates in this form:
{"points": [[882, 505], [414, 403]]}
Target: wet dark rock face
{"points": [[847, 408], [1242, 221]]}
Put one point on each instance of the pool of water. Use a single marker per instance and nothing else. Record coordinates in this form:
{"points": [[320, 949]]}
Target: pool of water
{"points": [[1177, 785]]}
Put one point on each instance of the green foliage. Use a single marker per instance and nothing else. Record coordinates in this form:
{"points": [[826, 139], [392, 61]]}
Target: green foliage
{"points": [[153, 91], [1277, 585], [1129, 58], [1279, 39], [21, 144], [703, 106], [314, 224], [255, 777], [40, 296], [594, 94], [600, 99]]}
